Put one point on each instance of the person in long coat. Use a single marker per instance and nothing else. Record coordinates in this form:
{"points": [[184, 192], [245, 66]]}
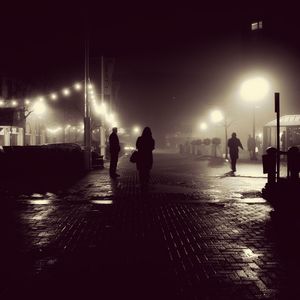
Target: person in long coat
{"points": [[114, 149], [233, 144], [145, 144]]}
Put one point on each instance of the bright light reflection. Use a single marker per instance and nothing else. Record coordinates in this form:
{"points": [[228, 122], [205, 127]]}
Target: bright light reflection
{"points": [[14, 103], [254, 89], [102, 202]]}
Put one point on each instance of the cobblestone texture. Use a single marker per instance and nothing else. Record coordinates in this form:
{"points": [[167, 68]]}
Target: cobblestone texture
{"points": [[196, 234]]}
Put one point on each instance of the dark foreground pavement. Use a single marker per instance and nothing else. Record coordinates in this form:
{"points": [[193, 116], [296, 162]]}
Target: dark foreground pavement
{"points": [[195, 234]]}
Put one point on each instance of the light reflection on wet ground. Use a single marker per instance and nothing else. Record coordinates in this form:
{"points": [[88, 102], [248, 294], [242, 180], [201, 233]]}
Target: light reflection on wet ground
{"points": [[225, 217]]}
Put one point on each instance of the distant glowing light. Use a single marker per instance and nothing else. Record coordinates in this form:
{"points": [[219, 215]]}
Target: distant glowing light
{"points": [[14, 103], [203, 126], [54, 130], [66, 92], [216, 116], [27, 101], [39, 107], [1, 102], [136, 129], [254, 89], [53, 96], [41, 99], [90, 86], [260, 135], [77, 86]]}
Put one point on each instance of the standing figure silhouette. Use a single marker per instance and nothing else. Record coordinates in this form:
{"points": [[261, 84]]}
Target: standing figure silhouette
{"points": [[145, 144], [234, 144]]}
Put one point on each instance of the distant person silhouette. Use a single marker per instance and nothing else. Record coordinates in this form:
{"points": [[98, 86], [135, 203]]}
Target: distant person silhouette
{"points": [[251, 146], [233, 144], [114, 149], [145, 144], [283, 141]]}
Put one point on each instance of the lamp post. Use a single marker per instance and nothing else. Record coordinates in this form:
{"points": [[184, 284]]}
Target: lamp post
{"points": [[253, 90]]}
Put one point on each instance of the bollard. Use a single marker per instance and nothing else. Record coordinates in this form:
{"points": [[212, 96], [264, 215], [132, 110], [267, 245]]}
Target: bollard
{"points": [[293, 163], [269, 164]]}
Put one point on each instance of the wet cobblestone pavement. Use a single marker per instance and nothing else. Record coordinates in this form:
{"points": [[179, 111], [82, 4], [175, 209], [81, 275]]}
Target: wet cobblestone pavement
{"points": [[195, 234]]}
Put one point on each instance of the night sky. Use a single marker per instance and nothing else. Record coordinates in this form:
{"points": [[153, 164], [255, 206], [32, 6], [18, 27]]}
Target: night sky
{"points": [[173, 62]]}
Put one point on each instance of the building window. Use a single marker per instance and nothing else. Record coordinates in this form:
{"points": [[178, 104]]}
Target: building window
{"points": [[256, 25]]}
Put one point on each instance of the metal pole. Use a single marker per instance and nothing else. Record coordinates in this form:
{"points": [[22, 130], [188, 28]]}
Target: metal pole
{"points": [[254, 142], [87, 115], [277, 110], [226, 137]]}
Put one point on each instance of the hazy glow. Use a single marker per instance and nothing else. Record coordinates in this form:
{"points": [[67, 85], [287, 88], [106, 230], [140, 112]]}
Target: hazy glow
{"points": [[66, 92], [14, 103], [254, 89], [27, 101], [216, 116], [77, 86], [136, 129], [203, 126], [1, 102], [54, 130], [90, 86], [39, 107], [53, 96], [260, 135]]}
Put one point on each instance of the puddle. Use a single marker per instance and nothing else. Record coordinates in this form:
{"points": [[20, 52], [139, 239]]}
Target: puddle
{"points": [[253, 200], [39, 202], [102, 201]]}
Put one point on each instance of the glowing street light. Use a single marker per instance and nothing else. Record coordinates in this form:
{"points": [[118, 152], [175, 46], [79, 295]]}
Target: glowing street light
{"points": [[53, 96], [66, 92], [1, 102], [253, 90], [77, 86], [27, 101], [216, 116], [14, 103], [39, 107], [136, 129], [203, 126]]}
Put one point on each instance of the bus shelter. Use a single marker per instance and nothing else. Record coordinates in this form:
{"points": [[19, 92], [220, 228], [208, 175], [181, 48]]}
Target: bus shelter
{"points": [[289, 133]]}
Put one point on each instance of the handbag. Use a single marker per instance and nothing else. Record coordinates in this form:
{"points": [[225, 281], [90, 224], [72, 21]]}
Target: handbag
{"points": [[134, 156]]}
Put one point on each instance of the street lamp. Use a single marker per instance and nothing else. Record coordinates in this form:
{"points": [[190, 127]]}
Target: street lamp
{"points": [[203, 126], [136, 130], [253, 90]]}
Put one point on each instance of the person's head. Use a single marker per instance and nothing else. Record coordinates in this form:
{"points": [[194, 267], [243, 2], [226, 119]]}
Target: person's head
{"points": [[115, 130], [147, 132], [233, 135]]}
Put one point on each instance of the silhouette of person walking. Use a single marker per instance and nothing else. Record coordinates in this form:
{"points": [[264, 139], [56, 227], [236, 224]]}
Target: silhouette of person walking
{"points": [[233, 144], [145, 144], [114, 149]]}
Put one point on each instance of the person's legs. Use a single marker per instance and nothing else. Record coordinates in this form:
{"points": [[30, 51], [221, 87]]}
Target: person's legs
{"points": [[113, 164], [233, 164]]}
